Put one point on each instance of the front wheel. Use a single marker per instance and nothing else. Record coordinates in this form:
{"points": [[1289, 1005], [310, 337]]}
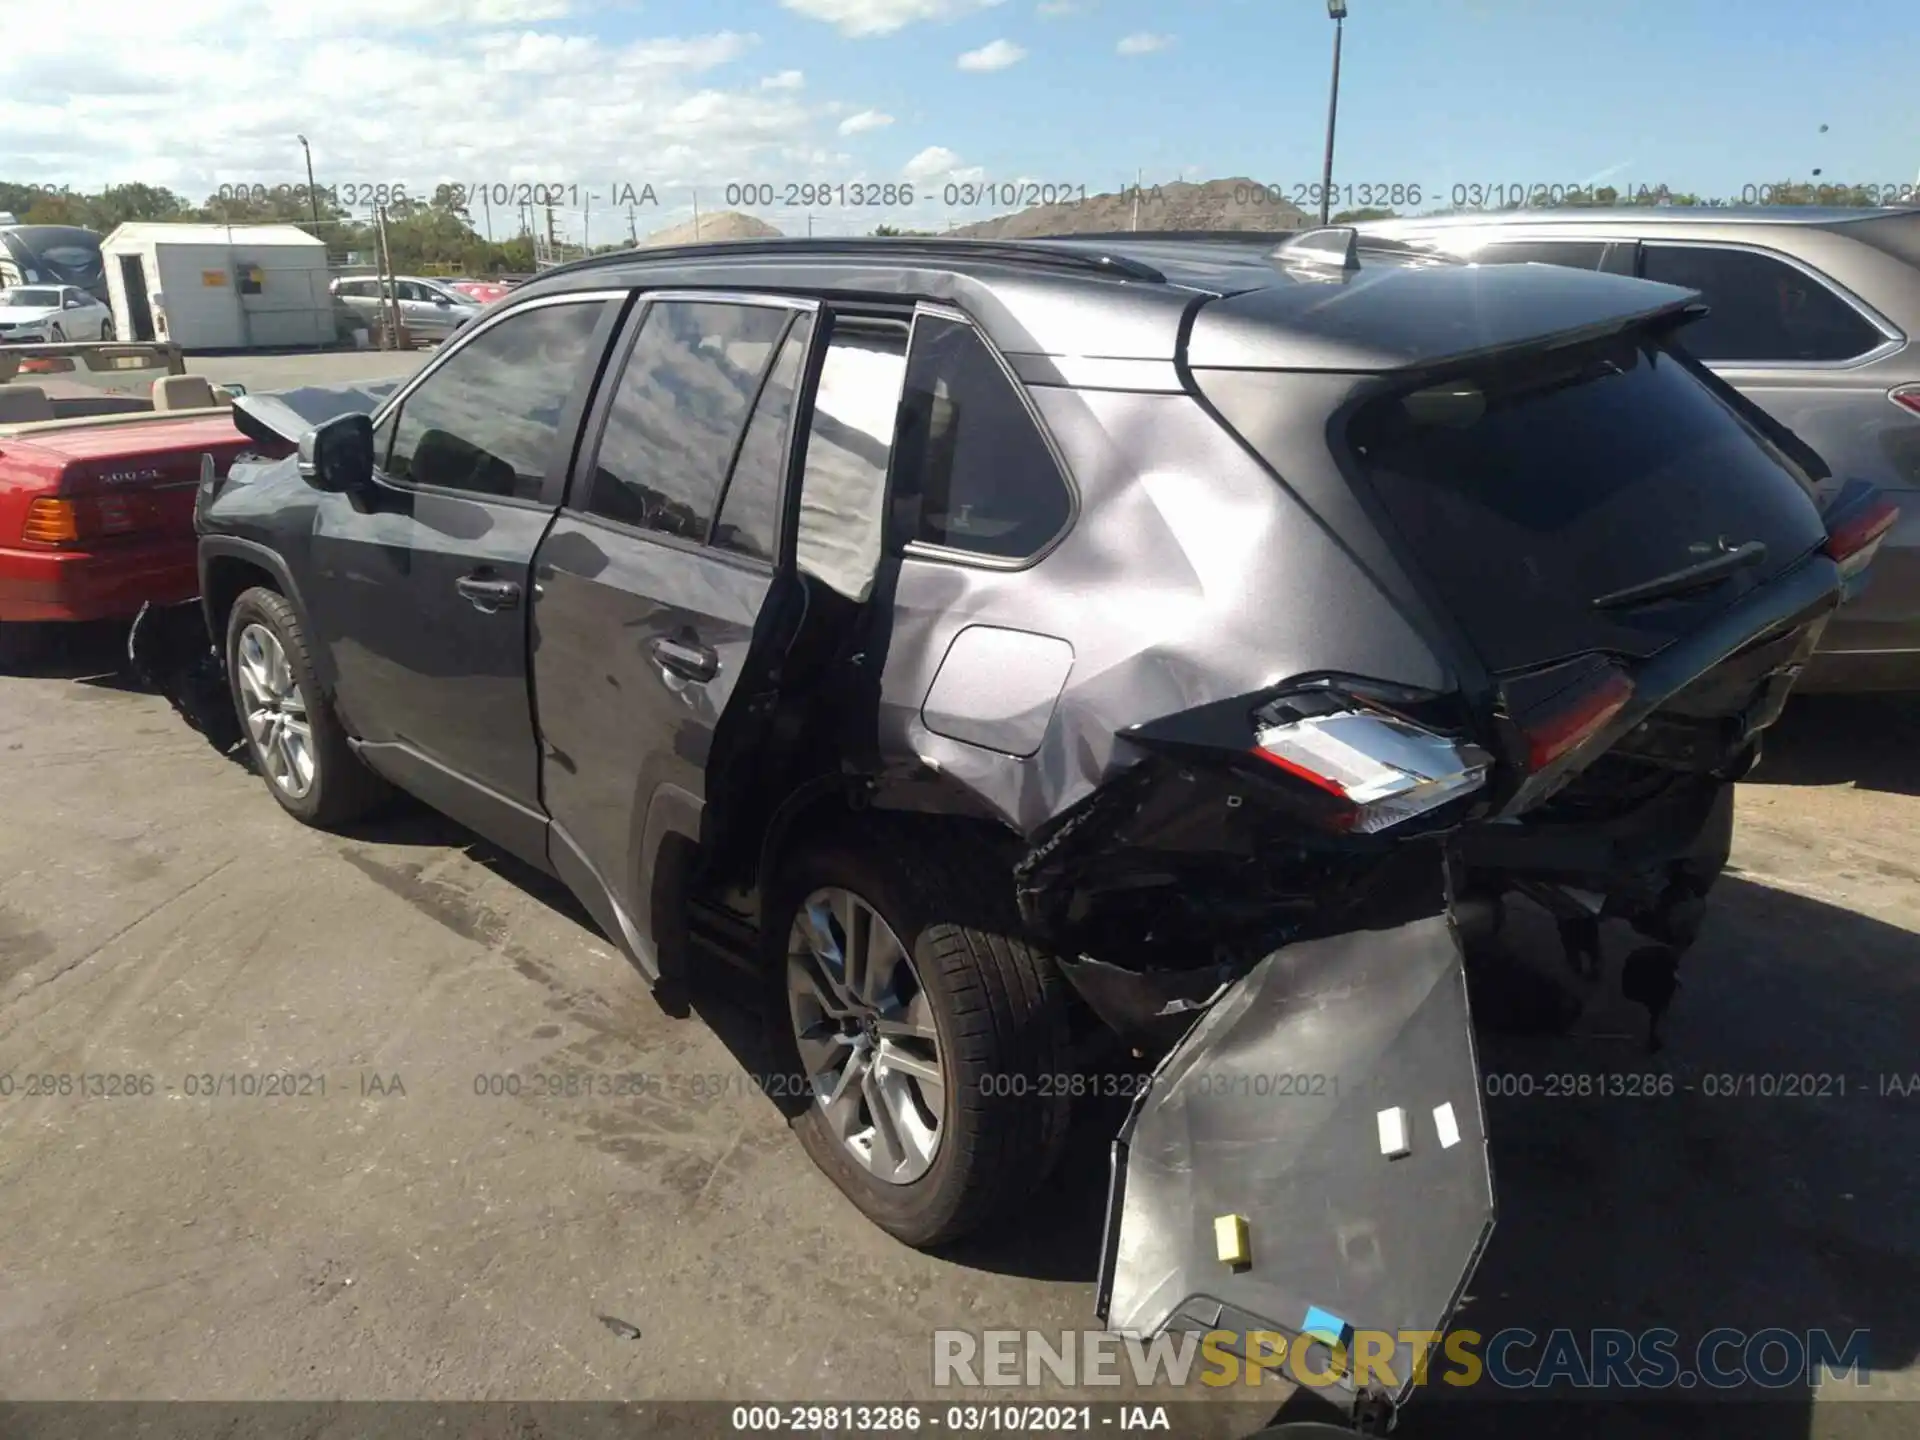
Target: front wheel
{"points": [[297, 743], [106, 329], [57, 336], [926, 1038]]}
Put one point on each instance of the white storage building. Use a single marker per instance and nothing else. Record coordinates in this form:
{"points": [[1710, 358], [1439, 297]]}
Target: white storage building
{"points": [[219, 287]]}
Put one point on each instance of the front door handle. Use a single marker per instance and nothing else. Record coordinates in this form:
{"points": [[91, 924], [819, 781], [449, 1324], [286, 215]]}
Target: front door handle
{"points": [[485, 593], [689, 660]]}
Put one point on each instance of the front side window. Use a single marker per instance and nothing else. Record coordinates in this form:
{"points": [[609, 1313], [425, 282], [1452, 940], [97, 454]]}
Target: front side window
{"points": [[975, 473], [488, 420], [1763, 308], [679, 411]]}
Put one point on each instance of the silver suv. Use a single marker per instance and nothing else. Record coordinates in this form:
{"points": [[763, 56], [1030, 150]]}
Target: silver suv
{"points": [[1813, 315], [429, 309]]}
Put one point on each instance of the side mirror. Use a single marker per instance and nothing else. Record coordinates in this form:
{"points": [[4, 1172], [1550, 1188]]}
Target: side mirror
{"points": [[443, 302], [338, 456]]}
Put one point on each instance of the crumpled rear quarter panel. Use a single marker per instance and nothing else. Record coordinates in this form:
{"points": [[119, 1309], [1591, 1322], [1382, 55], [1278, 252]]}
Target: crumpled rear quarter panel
{"points": [[1189, 576]]}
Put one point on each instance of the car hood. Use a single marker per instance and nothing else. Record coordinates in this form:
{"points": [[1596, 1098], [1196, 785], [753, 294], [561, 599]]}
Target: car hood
{"points": [[26, 314]]}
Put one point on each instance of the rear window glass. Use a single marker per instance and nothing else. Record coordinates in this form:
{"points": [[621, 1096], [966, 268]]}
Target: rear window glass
{"points": [[1763, 308], [1529, 493]]}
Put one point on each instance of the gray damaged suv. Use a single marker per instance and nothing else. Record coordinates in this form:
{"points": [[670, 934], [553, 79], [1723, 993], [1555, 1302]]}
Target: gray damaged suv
{"points": [[1813, 316], [998, 648]]}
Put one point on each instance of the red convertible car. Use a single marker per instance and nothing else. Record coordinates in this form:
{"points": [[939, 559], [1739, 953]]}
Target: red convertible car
{"points": [[97, 482]]}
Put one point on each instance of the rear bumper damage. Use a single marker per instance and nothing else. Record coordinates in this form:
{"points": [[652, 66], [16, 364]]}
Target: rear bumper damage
{"points": [[1306, 1177]]}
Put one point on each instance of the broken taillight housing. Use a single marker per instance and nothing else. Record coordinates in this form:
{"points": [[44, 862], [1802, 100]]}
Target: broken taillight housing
{"points": [[1385, 769]]}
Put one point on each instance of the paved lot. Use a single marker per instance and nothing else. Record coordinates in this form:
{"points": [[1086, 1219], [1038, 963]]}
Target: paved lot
{"points": [[332, 367], [160, 917]]}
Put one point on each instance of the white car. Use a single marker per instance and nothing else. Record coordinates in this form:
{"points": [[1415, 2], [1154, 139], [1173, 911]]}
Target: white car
{"points": [[52, 314]]}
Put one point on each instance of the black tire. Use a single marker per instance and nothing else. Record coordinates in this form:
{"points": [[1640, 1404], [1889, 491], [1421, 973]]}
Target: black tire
{"points": [[22, 644], [106, 330], [998, 1004], [56, 336], [343, 788]]}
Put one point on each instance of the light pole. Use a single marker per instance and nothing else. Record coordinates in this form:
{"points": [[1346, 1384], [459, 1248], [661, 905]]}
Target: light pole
{"points": [[313, 197], [1337, 11]]}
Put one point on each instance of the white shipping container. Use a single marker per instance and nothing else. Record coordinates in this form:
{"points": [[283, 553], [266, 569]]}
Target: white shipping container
{"points": [[219, 287]]}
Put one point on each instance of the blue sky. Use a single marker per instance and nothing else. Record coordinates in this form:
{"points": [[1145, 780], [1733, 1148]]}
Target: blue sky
{"points": [[1708, 95]]}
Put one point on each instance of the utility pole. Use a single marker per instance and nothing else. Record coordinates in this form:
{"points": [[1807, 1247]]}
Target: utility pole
{"points": [[486, 207], [696, 216], [1337, 12], [387, 281], [586, 226], [633, 226], [313, 197], [1139, 179]]}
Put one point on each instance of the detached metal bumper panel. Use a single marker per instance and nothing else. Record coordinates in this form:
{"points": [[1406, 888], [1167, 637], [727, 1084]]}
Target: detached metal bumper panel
{"points": [[1332, 1101]]}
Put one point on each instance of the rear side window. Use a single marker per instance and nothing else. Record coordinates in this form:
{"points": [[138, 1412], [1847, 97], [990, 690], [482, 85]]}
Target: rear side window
{"points": [[1763, 308], [1579, 254], [974, 473], [1529, 493], [488, 420], [679, 413]]}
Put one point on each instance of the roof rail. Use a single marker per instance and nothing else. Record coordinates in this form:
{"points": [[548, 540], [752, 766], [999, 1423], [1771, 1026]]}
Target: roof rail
{"points": [[1265, 238], [931, 247]]}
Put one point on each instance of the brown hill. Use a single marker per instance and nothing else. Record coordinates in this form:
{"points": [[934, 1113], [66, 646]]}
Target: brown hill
{"points": [[1231, 204], [721, 225]]}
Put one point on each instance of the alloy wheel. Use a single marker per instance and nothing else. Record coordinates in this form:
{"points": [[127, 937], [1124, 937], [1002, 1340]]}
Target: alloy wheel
{"points": [[866, 1036], [276, 712]]}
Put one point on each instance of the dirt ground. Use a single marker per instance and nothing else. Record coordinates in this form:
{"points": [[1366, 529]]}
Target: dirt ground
{"points": [[405, 1233]]}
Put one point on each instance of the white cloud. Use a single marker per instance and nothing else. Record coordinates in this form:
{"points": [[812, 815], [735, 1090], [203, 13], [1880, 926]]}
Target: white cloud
{"points": [[862, 18], [1142, 43], [204, 93], [995, 55], [931, 164], [866, 120], [1054, 9]]}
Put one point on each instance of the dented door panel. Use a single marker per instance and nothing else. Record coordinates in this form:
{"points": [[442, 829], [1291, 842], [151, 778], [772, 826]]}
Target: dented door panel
{"points": [[1271, 1120]]}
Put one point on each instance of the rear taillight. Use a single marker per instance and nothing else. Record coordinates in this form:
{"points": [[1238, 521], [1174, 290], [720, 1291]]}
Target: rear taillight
{"points": [[51, 522], [1384, 770], [1853, 536], [59, 520], [1569, 721], [1906, 396]]}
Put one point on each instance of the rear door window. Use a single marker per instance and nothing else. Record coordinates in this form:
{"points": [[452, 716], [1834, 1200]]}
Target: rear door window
{"points": [[1763, 308], [1528, 493], [843, 486], [679, 413], [749, 519]]}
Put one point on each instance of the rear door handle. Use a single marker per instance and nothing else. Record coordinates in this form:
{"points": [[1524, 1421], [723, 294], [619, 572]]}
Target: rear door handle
{"points": [[490, 595], [689, 661]]}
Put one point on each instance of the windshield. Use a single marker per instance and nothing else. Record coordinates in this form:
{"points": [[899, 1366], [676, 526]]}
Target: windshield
{"points": [[30, 299]]}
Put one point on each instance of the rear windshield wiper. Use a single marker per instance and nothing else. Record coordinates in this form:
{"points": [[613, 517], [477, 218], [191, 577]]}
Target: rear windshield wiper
{"points": [[1687, 579]]}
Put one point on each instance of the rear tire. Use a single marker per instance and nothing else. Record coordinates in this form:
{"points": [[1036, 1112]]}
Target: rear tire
{"points": [[997, 1012], [297, 743], [106, 330]]}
